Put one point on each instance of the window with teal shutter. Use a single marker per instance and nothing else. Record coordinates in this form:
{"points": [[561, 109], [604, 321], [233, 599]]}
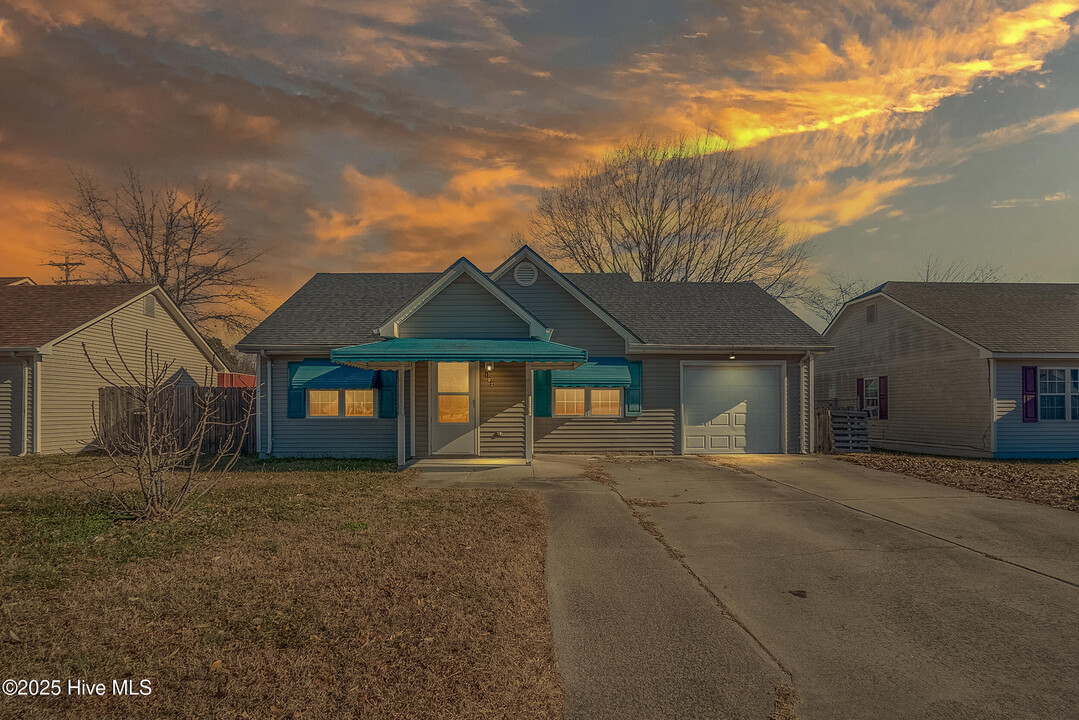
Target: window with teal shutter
{"points": [[634, 395]]}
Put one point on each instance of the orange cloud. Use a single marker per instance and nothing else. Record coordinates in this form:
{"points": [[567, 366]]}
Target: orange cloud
{"points": [[385, 227]]}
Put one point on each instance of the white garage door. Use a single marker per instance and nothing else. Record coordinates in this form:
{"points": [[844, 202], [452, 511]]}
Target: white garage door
{"points": [[731, 408]]}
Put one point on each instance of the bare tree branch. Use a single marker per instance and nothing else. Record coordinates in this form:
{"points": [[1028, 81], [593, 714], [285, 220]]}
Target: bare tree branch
{"points": [[664, 211], [163, 236]]}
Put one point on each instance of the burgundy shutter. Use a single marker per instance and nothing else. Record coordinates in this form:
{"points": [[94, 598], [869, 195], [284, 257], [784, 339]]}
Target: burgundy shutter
{"points": [[882, 388], [861, 394], [1030, 393]]}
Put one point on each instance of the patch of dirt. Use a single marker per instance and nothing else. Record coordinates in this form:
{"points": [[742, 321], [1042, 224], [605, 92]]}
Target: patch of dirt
{"points": [[645, 502], [1055, 484], [598, 473], [786, 702]]}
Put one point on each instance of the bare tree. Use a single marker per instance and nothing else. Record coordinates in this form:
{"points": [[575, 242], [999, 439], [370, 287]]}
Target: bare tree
{"points": [[150, 445], [936, 270], [826, 302], [673, 211], [163, 236]]}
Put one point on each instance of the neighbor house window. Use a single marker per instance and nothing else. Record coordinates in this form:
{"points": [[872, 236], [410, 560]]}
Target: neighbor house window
{"points": [[323, 403], [606, 401], [1052, 394], [569, 401], [871, 403], [1073, 390], [360, 403], [871, 313]]}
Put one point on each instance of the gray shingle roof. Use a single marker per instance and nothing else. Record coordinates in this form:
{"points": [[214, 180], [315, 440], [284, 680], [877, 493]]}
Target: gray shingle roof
{"points": [[35, 315], [1001, 317], [337, 310], [340, 309], [724, 314]]}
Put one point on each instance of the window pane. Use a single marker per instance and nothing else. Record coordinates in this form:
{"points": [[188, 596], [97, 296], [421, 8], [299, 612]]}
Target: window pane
{"points": [[453, 377], [360, 403], [870, 389], [1051, 381], [453, 408], [1075, 381], [1052, 407], [605, 401], [569, 401], [1075, 407], [322, 403]]}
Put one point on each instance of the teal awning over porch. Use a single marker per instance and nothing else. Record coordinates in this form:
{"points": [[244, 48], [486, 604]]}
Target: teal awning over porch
{"points": [[597, 372], [460, 350]]}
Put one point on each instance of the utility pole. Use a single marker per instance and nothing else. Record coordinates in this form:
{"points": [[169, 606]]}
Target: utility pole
{"points": [[67, 266]]}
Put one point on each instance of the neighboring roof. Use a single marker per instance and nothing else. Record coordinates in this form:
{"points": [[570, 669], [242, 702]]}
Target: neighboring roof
{"points": [[1000, 317], [16, 280], [459, 350], [342, 309], [691, 313], [336, 309], [35, 315]]}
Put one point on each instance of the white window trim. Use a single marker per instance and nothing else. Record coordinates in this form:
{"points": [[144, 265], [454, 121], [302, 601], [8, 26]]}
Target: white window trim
{"points": [[1067, 394], [873, 410], [340, 405], [588, 402]]}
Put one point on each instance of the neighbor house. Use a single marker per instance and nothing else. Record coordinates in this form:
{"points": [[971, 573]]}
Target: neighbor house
{"points": [[467, 364], [975, 369], [47, 384]]}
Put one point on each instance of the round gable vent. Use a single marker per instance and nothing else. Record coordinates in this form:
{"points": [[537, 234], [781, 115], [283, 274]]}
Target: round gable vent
{"points": [[525, 274]]}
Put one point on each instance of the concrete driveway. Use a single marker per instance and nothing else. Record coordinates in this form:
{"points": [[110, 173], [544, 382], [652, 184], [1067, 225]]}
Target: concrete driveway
{"points": [[884, 596], [875, 595]]}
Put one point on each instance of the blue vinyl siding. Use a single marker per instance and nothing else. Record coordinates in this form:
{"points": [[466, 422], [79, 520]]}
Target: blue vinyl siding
{"points": [[464, 309], [1018, 439]]}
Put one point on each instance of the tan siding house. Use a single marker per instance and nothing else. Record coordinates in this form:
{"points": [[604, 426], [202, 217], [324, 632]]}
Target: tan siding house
{"points": [[940, 367], [50, 332], [470, 365]]}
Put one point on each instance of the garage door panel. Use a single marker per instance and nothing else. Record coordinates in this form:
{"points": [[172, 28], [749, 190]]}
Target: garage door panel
{"points": [[732, 408]]}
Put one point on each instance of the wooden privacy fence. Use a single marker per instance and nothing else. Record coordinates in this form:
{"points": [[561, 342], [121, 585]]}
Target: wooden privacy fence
{"points": [[118, 414], [841, 431]]}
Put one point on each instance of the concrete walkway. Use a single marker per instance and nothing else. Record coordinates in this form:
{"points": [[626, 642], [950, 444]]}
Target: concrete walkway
{"points": [[635, 635]]}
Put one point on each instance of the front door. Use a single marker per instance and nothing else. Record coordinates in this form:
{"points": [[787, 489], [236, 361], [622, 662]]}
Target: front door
{"points": [[453, 409]]}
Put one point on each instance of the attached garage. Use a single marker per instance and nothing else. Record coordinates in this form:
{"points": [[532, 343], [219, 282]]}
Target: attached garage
{"points": [[730, 407]]}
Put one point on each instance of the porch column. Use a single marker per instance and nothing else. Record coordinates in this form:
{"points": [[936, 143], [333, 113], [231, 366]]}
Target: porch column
{"points": [[401, 419], [528, 412], [412, 410]]}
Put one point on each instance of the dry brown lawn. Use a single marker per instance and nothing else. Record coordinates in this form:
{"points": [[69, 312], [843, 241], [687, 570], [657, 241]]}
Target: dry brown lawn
{"points": [[1046, 483], [298, 589]]}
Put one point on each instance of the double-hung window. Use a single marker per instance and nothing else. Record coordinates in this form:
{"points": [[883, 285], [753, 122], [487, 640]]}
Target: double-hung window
{"points": [[590, 402], [871, 397], [1052, 394]]}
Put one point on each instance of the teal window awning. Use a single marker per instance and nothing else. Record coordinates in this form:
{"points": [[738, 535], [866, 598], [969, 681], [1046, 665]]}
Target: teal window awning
{"points": [[324, 374], [460, 350], [597, 372]]}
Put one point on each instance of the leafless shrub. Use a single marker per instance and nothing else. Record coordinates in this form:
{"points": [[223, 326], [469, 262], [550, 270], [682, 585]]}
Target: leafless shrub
{"points": [[151, 446]]}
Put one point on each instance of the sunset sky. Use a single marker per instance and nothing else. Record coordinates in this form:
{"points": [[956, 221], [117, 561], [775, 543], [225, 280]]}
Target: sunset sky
{"points": [[401, 134]]}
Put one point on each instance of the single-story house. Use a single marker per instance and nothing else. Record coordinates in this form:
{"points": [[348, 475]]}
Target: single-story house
{"points": [[971, 369], [468, 364], [47, 384]]}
